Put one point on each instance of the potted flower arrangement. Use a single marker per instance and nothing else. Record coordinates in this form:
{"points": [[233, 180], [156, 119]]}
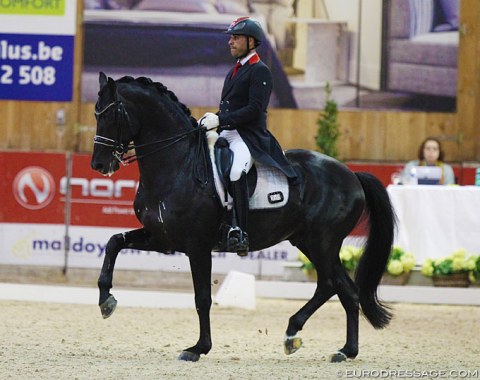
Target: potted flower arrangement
{"points": [[475, 274], [453, 270], [307, 266], [349, 256], [399, 267]]}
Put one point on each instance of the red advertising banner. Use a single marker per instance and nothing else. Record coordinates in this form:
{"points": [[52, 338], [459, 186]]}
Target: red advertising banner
{"points": [[34, 190]]}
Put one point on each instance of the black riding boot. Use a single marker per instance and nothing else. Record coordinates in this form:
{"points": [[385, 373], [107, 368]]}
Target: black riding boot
{"points": [[237, 238]]}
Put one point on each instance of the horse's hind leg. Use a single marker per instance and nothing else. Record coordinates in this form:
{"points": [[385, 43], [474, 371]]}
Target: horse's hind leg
{"points": [[348, 295], [136, 239], [322, 294], [332, 279], [292, 342]]}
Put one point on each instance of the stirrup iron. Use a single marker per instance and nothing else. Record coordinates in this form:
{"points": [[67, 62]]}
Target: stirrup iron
{"points": [[237, 241]]}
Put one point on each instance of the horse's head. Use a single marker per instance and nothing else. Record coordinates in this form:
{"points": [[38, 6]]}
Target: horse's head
{"points": [[113, 133], [139, 111]]}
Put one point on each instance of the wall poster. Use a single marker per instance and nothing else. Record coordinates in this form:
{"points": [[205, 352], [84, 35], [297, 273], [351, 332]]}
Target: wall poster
{"points": [[37, 40]]}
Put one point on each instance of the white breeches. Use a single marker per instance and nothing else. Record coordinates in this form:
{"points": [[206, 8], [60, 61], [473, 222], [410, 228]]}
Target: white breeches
{"points": [[242, 159]]}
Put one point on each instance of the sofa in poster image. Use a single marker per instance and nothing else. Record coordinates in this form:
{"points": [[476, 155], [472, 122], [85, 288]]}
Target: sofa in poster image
{"points": [[422, 46], [178, 43]]}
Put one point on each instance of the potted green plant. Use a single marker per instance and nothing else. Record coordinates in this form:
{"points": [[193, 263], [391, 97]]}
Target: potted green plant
{"points": [[399, 267], [453, 270], [328, 127]]}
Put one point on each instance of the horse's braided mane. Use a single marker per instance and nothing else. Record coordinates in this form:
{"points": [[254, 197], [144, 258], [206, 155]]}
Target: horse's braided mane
{"points": [[162, 89]]}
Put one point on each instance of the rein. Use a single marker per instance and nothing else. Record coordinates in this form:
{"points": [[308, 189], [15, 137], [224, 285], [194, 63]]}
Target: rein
{"points": [[119, 150]]}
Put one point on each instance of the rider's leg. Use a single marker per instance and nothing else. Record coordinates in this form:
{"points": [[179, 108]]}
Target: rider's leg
{"points": [[237, 236], [242, 162]]}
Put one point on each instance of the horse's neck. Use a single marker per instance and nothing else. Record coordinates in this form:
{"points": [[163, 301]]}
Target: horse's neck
{"points": [[163, 158], [160, 170]]}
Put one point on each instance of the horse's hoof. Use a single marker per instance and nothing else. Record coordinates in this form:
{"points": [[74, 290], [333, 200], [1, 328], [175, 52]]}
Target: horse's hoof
{"points": [[338, 357], [108, 307], [188, 356], [291, 344]]}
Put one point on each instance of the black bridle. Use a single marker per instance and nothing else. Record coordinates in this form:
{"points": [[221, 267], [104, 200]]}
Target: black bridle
{"points": [[119, 149]]}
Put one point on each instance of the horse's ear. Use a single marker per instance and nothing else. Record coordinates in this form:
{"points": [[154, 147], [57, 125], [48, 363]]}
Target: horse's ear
{"points": [[102, 79], [112, 86]]}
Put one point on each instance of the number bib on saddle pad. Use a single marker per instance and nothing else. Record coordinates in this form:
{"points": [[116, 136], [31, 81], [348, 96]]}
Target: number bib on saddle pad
{"points": [[271, 190]]}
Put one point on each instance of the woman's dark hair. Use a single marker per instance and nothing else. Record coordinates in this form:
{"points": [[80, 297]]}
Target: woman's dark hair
{"points": [[441, 155]]}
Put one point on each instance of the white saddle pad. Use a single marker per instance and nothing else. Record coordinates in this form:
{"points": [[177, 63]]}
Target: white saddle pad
{"points": [[272, 189]]}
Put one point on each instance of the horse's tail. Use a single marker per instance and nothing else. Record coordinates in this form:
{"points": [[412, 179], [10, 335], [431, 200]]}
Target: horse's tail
{"points": [[372, 265]]}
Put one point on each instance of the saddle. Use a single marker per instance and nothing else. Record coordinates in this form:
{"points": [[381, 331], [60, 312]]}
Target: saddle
{"points": [[224, 162], [267, 186]]}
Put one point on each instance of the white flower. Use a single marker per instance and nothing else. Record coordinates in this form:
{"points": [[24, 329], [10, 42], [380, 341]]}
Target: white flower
{"points": [[345, 254], [395, 267], [408, 262]]}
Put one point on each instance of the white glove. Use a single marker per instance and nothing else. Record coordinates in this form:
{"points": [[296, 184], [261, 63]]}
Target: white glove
{"points": [[209, 121]]}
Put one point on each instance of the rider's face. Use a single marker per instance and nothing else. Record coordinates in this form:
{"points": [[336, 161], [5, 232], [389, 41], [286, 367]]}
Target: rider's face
{"points": [[238, 45]]}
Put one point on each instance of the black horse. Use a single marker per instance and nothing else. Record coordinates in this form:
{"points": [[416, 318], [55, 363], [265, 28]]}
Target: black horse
{"points": [[179, 209]]}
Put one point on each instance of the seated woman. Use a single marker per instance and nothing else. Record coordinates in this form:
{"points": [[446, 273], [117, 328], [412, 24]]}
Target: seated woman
{"points": [[430, 153]]}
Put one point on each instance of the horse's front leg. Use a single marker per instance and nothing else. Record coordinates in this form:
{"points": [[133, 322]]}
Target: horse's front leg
{"points": [[201, 267], [136, 239]]}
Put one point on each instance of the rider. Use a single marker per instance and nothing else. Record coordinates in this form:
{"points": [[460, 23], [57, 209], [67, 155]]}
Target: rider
{"points": [[242, 118]]}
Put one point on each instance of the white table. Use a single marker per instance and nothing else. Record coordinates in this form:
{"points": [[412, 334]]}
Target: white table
{"points": [[434, 221]]}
